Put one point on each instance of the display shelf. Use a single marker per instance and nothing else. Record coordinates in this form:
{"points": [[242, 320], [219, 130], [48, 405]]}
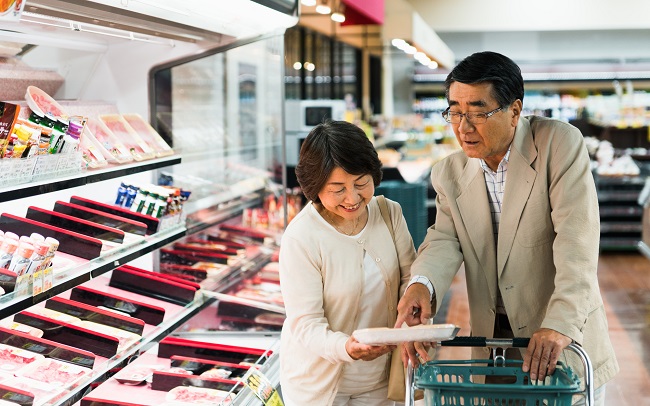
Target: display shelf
{"points": [[91, 269], [163, 330], [628, 211], [270, 359], [215, 209], [620, 214], [86, 177]]}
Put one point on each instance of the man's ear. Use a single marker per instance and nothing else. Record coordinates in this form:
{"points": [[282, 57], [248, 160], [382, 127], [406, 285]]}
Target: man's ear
{"points": [[516, 108]]}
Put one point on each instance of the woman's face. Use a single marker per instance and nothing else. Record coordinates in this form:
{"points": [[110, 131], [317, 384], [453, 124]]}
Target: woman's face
{"points": [[347, 195]]}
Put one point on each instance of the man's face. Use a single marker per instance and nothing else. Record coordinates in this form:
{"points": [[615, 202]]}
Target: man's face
{"points": [[489, 140]]}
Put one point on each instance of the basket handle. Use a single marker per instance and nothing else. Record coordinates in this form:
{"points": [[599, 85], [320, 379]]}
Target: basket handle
{"points": [[518, 342], [461, 341]]}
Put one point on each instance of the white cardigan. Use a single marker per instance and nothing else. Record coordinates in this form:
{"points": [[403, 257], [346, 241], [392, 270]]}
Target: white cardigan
{"points": [[321, 275]]}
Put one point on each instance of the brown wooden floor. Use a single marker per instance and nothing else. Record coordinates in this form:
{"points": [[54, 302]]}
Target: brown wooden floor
{"points": [[625, 286]]}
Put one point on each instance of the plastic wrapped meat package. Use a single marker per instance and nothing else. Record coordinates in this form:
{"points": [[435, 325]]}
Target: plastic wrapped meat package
{"points": [[136, 374], [55, 315], [112, 148], [54, 372], [148, 134], [184, 395], [43, 103], [126, 338], [139, 149], [262, 292], [13, 359], [93, 153], [394, 336], [47, 379]]}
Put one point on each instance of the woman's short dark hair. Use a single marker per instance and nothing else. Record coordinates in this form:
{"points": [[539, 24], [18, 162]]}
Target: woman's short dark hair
{"points": [[501, 71], [335, 144]]}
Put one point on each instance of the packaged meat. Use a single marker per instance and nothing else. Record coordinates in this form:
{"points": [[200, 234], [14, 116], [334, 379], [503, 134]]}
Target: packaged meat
{"points": [[13, 359], [139, 149], [93, 153], [393, 336], [136, 374], [23, 328], [193, 395], [42, 103], [261, 295], [54, 372], [273, 319], [125, 338], [220, 373], [117, 151], [148, 134], [53, 314]]}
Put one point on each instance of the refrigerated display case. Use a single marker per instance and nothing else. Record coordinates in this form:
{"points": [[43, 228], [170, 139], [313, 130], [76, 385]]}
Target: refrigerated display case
{"points": [[208, 78]]}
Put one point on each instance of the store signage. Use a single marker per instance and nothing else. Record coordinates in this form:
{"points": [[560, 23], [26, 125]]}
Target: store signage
{"points": [[359, 12], [262, 388], [10, 10]]}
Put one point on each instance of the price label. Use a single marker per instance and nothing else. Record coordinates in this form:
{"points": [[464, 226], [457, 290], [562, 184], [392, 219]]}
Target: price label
{"points": [[262, 388]]}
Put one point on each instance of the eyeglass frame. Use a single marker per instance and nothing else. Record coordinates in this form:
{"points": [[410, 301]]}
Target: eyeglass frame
{"points": [[445, 115]]}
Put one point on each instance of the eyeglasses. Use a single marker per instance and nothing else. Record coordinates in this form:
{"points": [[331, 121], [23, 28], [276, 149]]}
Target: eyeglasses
{"points": [[472, 118]]}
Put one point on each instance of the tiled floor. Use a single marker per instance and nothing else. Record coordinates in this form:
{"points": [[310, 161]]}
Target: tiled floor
{"points": [[625, 286]]}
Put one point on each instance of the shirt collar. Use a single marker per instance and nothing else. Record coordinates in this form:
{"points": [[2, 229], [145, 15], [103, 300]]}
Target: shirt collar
{"points": [[503, 162]]}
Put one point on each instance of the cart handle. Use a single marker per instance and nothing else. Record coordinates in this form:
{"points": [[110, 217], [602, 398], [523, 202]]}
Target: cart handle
{"points": [[504, 343]]}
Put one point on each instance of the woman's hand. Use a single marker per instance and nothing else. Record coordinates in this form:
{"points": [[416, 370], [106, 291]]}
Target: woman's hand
{"points": [[366, 352]]}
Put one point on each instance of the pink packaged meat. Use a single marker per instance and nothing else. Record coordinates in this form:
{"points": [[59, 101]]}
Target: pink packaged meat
{"points": [[117, 151], [139, 149], [13, 359], [54, 372], [195, 395], [148, 134]]}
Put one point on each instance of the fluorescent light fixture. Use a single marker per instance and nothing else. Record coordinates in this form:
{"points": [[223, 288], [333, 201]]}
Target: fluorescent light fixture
{"points": [[309, 3], [323, 8], [338, 17]]}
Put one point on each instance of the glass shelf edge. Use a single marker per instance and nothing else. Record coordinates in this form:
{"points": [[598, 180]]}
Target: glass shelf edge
{"points": [[29, 189]]}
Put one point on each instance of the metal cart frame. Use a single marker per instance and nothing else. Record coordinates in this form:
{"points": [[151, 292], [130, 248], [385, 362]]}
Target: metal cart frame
{"points": [[502, 344]]}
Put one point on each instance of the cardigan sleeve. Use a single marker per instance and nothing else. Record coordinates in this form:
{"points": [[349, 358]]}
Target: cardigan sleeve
{"points": [[302, 290]]}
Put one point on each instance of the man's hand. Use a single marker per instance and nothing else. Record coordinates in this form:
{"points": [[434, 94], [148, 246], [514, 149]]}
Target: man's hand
{"points": [[543, 351], [366, 352], [414, 308]]}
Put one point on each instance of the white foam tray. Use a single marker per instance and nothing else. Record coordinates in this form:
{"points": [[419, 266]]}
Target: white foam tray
{"points": [[393, 336]]}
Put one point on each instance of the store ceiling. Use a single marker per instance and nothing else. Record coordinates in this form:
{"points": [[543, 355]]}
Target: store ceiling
{"points": [[554, 35]]}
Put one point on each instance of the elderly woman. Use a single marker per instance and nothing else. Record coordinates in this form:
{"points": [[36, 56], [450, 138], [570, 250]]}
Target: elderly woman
{"points": [[340, 270]]}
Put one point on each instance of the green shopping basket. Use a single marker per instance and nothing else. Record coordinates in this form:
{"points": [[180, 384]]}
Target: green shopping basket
{"points": [[452, 382]]}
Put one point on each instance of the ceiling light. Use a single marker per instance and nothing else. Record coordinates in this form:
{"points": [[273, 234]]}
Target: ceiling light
{"points": [[310, 66], [398, 42], [309, 3], [297, 65], [323, 8], [339, 15]]}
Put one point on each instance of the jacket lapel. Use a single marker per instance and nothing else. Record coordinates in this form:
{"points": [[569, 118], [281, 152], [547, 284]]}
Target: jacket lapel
{"points": [[519, 183], [474, 208]]}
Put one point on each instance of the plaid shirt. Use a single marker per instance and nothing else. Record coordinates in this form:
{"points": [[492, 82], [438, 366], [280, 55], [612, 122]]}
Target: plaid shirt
{"points": [[496, 185]]}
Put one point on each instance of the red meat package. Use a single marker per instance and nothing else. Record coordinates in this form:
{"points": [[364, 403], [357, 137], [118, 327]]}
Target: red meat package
{"points": [[13, 359], [195, 395], [54, 372]]}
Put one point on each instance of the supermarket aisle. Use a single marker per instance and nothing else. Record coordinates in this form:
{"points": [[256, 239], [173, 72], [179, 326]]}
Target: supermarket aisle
{"points": [[625, 286]]}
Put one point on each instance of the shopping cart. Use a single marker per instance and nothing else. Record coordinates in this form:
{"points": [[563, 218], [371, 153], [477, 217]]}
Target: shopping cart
{"points": [[451, 382]]}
